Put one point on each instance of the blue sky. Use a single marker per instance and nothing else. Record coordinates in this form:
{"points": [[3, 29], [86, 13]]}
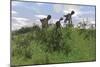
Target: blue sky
{"points": [[29, 13]]}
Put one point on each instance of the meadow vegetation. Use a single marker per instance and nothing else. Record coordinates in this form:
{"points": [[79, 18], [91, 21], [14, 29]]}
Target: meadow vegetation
{"points": [[33, 45]]}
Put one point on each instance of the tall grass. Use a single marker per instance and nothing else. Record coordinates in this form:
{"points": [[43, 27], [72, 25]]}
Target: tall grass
{"points": [[41, 46]]}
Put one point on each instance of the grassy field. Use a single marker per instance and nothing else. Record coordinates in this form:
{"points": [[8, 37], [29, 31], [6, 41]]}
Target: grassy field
{"points": [[43, 46]]}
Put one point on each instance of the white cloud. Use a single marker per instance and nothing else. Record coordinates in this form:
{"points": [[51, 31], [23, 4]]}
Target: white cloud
{"points": [[14, 12], [39, 4], [18, 22], [92, 22], [57, 8], [37, 22], [65, 11], [89, 24], [15, 26], [40, 16], [69, 8], [20, 19]]}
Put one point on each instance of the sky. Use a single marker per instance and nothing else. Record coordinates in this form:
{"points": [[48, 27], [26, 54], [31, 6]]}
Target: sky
{"points": [[29, 13]]}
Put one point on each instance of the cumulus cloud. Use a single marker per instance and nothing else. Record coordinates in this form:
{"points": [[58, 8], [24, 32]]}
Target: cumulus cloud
{"points": [[36, 22], [17, 22], [69, 8], [65, 11], [40, 16], [90, 23]]}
